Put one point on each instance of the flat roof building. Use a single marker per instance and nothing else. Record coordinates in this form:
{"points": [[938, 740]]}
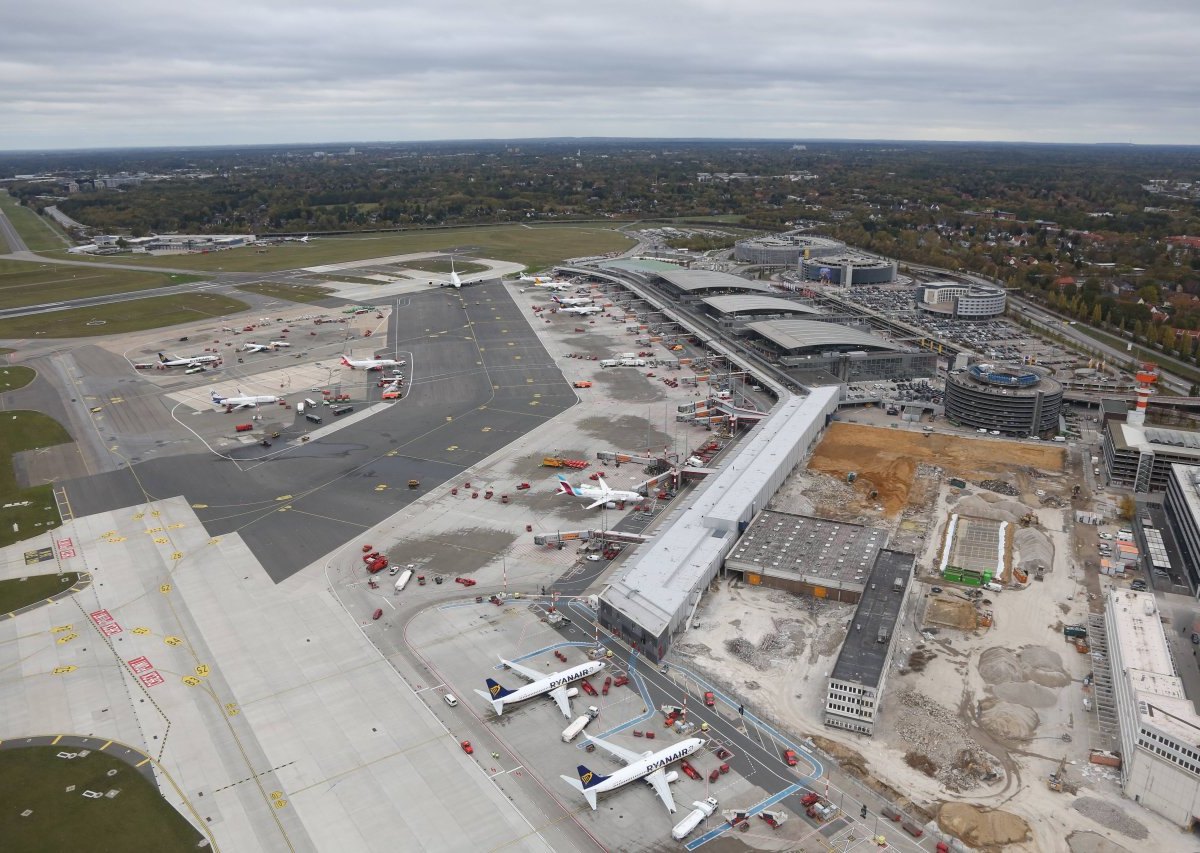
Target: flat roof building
{"points": [[785, 250], [1181, 506], [1140, 457], [761, 306], [822, 352], [696, 281], [962, 300], [663, 580], [849, 269], [1158, 726], [855, 688]]}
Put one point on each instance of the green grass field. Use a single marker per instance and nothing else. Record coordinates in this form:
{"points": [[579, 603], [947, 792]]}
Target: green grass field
{"points": [[27, 283], [14, 376], [535, 246], [16, 593], [37, 232], [153, 312], [290, 292], [439, 266], [20, 430], [137, 819]]}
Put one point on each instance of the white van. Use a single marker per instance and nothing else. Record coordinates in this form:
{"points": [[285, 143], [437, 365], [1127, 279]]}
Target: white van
{"points": [[450, 700]]}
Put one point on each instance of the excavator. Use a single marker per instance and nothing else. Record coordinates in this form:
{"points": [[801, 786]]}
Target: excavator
{"points": [[1057, 782]]}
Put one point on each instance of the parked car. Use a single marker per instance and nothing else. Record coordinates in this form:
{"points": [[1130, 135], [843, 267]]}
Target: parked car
{"points": [[467, 748], [1138, 585], [450, 700], [789, 756], [709, 699]]}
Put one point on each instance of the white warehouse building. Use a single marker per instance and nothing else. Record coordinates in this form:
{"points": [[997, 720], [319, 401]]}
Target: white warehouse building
{"points": [[655, 595], [1159, 727]]}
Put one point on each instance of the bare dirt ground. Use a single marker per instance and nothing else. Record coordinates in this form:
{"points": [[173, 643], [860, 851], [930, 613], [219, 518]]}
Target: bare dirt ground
{"points": [[983, 828], [886, 460]]}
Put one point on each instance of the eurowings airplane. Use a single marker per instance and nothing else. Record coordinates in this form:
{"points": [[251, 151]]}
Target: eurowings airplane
{"points": [[188, 361], [371, 364], [555, 684], [638, 765], [572, 301], [537, 279], [599, 495], [582, 309], [241, 402]]}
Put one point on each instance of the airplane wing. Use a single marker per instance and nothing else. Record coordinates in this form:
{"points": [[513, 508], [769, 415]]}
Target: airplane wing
{"points": [[559, 695], [524, 671], [602, 500], [626, 755], [658, 781]]}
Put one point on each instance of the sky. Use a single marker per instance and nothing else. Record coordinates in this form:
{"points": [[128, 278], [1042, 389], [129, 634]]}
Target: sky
{"points": [[139, 73]]}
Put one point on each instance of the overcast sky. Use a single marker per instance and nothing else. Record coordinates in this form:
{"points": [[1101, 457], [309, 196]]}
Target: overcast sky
{"points": [[134, 72]]}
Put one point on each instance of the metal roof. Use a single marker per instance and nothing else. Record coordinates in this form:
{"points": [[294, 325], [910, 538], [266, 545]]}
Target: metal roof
{"points": [[739, 304], [865, 649], [692, 280], [808, 334]]}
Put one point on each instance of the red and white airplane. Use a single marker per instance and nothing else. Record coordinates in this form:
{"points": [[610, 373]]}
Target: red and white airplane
{"points": [[372, 363]]}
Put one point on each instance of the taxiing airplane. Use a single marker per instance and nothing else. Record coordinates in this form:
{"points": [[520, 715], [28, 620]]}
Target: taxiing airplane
{"points": [[554, 684], [280, 344], [582, 309], [256, 347], [241, 402], [372, 364], [599, 495], [572, 301], [536, 279], [303, 239], [186, 361], [638, 765]]}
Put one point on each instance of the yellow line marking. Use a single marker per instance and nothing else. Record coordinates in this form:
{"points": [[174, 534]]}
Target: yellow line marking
{"points": [[140, 763], [106, 746], [56, 740]]}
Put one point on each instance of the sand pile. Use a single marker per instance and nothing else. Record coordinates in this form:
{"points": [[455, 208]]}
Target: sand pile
{"points": [[999, 665], [978, 827], [1038, 664], [990, 506], [1033, 548], [1008, 719], [1026, 693]]}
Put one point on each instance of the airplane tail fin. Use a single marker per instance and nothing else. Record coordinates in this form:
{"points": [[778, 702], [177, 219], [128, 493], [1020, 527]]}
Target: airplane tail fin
{"points": [[497, 704], [587, 782], [162, 358], [567, 488], [497, 692], [347, 363]]}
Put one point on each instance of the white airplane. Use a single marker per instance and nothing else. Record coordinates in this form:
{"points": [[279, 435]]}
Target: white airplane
{"points": [[256, 347], [555, 684], [279, 344], [372, 364], [537, 279], [186, 361], [582, 309], [240, 402], [572, 301], [303, 239], [454, 280], [638, 765], [599, 495]]}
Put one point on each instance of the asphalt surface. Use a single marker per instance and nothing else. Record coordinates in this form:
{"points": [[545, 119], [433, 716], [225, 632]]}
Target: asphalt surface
{"points": [[15, 243], [479, 379]]}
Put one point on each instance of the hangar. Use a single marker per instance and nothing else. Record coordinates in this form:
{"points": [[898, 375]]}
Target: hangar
{"points": [[695, 281]]}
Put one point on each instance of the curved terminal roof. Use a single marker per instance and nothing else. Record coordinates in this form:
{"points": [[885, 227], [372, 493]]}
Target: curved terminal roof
{"points": [[739, 304], [812, 334], [693, 280]]}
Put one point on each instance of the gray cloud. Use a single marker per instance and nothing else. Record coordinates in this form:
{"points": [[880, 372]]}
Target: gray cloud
{"points": [[132, 73]]}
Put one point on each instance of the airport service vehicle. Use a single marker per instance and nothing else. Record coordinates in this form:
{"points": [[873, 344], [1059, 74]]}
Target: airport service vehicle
{"points": [[256, 347], [195, 368], [372, 363], [554, 684], [467, 748], [187, 360], [599, 494], [582, 309], [1138, 585], [700, 810], [650, 766], [572, 301], [580, 723], [789, 756], [583, 383], [242, 402], [403, 580], [450, 700]]}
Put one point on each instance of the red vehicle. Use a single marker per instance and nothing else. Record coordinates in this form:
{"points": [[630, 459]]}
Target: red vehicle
{"points": [[809, 798], [712, 777], [607, 684], [467, 748], [687, 768], [912, 829], [367, 549], [709, 699], [522, 486], [587, 687], [620, 681], [789, 755], [465, 581], [377, 613], [377, 565]]}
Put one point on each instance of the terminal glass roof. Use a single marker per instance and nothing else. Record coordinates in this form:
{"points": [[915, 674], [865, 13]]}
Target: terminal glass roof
{"points": [[693, 280], [738, 304], [813, 334]]}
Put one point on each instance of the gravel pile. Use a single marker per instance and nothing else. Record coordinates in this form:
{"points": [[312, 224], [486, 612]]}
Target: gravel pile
{"points": [[933, 731], [1000, 487], [1110, 817]]}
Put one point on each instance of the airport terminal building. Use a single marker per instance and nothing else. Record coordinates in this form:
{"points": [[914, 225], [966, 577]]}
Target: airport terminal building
{"points": [[832, 352], [662, 582]]}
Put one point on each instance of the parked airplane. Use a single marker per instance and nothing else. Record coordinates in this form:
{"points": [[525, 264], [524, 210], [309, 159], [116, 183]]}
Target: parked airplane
{"points": [[537, 279], [638, 765], [186, 361], [280, 344], [599, 495], [256, 347], [240, 402], [554, 285], [372, 364], [303, 239], [555, 684], [582, 309], [572, 301]]}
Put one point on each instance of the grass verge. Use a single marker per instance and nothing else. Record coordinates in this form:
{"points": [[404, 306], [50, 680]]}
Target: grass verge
{"points": [[440, 266], [15, 376], [535, 246], [290, 292], [38, 511], [25, 283], [134, 315], [39, 235], [16, 593], [138, 818]]}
